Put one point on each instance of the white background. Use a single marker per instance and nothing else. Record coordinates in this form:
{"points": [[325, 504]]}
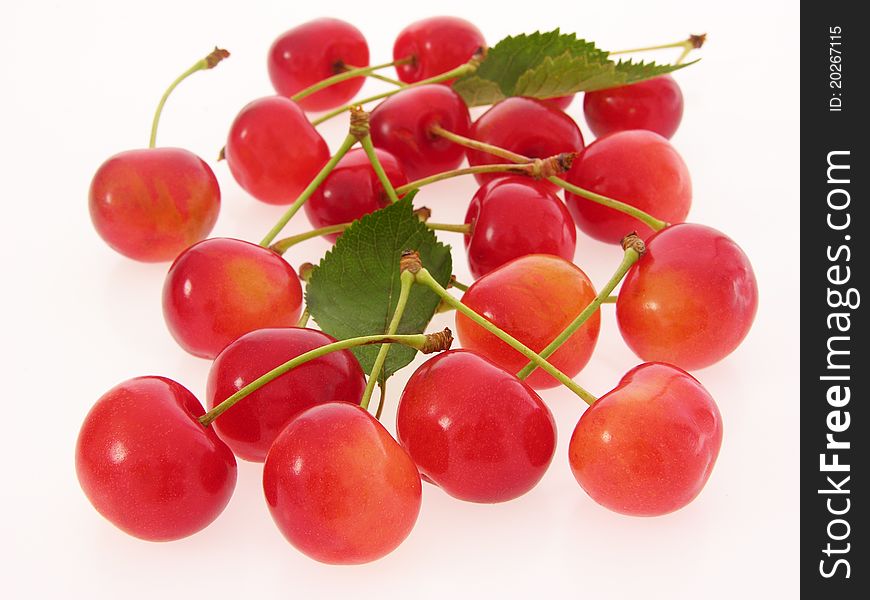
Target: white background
{"points": [[79, 82]]}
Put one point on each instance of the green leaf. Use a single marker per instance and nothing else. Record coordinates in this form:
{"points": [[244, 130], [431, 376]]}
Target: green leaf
{"points": [[355, 288], [545, 65]]}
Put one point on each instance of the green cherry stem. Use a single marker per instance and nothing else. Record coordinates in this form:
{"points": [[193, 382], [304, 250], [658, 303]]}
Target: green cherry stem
{"points": [[382, 398], [282, 245], [383, 78], [519, 169], [407, 281], [454, 283], [654, 223], [209, 62], [691, 43], [349, 73], [423, 277], [303, 318], [634, 248], [609, 300], [369, 148], [346, 145], [422, 342], [459, 71]]}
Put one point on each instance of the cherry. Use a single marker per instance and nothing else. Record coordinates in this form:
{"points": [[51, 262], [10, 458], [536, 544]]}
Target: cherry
{"points": [[273, 151], [655, 104], [640, 168], [352, 190], [435, 45], [339, 487], [402, 125], [690, 300], [250, 426], [647, 447], [220, 289], [533, 298], [515, 216], [559, 102], [474, 429], [526, 126], [147, 464], [151, 204], [314, 51]]}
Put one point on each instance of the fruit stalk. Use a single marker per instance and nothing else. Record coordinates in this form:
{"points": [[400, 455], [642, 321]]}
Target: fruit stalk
{"points": [[634, 249], [469, 67], [346, 145], [423, 277], [422, 342], [209, 62], [369, 148], [407, 281], [511, 168], [349, 73], [654, 223], [693, 42], [284, 244]]}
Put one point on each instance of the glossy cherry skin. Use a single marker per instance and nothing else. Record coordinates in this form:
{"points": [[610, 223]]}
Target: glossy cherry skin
{"points": [[352, 190], [640, 168], [647, 447], [436, 45], [339, 487], [515, 216], [474, 429], [221, 288], [525, 126], [314, 51], [251, 425], [533, 298], [151, 204], [655, 105], [690, 300], [273, 151], [559, 102], [401, 125], [147, 464]]}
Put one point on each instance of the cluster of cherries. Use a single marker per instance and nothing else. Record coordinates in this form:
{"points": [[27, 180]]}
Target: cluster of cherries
{"points": [[339, 486]]}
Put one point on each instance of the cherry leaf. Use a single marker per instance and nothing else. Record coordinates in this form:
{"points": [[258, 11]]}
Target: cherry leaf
{"points": [[355, 288]]}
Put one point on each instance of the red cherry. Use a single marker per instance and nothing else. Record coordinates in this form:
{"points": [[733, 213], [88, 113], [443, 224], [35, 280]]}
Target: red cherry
{"points": [[250, 426], [640, 168], [339, 487], [690, 300], [147, 464], [647, 447], [151, 204], [525, 126], [273, 151], [435, 45], [655, 104], [515, 216], [533, 298], [474, 429], [559, 102], [220, 289], [352, 190], [314, 51], [401, 125]]}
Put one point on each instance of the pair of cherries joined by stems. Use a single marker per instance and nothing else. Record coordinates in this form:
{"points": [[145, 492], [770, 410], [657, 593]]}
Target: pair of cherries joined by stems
{"points": [[338, 485]]}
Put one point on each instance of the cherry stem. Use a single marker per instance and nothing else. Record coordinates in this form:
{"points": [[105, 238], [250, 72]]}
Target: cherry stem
{"points": [[349, 73], [382, 397], [653, 223], [609, 300], [691, 43], [459, 71], [519, 169], [425, 278], [346, 145], [407, 281], [634, 248], [369, 149], [282, 245], [303, 318], [457, 284], [209, 62], [417, 341], [380, 77]]}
